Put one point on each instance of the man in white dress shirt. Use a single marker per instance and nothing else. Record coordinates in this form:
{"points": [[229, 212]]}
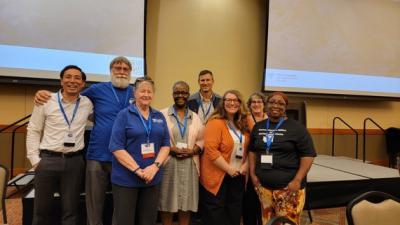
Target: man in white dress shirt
{"points": [[54, 142]]}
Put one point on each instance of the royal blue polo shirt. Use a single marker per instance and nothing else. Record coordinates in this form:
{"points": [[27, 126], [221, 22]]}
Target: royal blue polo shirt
{"points": [[129, 133], [107, 103]]}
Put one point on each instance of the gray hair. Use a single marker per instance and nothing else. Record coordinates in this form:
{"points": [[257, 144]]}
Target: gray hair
{"points": [[120, 59]]}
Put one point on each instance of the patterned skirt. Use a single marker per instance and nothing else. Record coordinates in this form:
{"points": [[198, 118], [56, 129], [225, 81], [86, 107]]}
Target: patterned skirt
{"points": [[281, 202]]}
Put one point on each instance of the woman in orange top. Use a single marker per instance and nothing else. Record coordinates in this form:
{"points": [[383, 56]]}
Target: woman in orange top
{"points": [[224, 163]]}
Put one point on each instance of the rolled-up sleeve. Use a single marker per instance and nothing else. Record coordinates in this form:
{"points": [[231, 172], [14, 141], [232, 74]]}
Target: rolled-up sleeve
{"points": [[212, 139]]}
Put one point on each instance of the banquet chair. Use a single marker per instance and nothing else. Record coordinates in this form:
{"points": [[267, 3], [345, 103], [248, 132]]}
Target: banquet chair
{"points": [[373, 208]]}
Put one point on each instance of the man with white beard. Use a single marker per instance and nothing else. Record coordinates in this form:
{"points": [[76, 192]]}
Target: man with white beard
{"points": [[108, 99]]}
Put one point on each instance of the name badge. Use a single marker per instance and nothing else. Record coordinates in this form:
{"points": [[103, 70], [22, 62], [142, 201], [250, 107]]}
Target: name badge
{"points": [[147, 150], [266, 161], [181, 145], [239, 150], [69, 139]]}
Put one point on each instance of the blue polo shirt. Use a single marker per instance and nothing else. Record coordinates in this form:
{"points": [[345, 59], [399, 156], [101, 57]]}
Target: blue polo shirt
{"points": [[129, 133], [106, 106]]}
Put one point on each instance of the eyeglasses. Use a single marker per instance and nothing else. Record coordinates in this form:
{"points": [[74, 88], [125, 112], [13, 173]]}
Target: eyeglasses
{"points": [[180, 93], [121, 68], [281, 104], [232, 100], [257, 102]]}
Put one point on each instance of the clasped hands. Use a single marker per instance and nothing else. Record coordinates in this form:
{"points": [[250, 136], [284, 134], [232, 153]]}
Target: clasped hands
{"points": [[147, 174], [234, 172], [181, 153]]}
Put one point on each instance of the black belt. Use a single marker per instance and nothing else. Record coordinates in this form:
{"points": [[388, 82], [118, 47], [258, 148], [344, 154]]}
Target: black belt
{"points": [[60, 154]]}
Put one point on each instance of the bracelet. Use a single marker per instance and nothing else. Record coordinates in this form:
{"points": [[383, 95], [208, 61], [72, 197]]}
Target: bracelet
{"points": [[135, 170]]}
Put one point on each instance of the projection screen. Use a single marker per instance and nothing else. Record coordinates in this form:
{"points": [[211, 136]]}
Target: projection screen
{"points": [[38, 38], [339, 47]]}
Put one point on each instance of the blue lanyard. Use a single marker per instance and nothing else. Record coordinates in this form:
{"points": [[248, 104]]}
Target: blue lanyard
{"points": [[147, 127], [240, 137], [270, 135], [182, 130], [63, 111], [202, 108], [116, 96]]}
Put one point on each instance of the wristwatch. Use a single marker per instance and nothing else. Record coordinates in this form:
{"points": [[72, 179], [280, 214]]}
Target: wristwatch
{"points": [[158, 164]]}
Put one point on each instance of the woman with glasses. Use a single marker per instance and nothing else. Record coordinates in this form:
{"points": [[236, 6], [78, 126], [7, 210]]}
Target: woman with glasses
{"points": [[179, 186], [281, 152], [251, 205], [257, 110], [224, 162], [140, 144]]}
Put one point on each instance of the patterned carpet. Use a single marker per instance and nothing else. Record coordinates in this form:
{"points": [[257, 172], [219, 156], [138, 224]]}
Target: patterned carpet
{"points": [[333, 216], [14, 211]]}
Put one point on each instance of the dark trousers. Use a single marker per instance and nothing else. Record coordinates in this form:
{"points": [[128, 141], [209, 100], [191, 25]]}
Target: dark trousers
{"points": [[130, 203], [62, 175], [251, 206], [97, 183], [225, 208]]}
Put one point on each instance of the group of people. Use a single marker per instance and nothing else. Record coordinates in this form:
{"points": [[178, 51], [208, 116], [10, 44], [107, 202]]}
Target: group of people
{"points": [[227, 159]]}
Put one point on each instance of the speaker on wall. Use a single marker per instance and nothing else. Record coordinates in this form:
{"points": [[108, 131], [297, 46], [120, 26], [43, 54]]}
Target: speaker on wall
{"points": [[297, 111]]}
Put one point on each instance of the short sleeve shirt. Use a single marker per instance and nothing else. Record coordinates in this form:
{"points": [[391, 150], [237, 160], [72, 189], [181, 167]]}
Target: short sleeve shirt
{"points": [[291, 142], [128, 133], [106, 107]]}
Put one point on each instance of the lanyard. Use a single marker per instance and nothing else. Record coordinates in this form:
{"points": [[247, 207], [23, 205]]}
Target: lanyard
{"points": [[202, 108], [147, 127], [182, 130], [63, 111], [240, 137], [270, 135], [116, 96], [254, 119]]}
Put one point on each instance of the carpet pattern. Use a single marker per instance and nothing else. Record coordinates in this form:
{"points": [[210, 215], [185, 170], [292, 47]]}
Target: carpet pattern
{"points": [[333, 216]]}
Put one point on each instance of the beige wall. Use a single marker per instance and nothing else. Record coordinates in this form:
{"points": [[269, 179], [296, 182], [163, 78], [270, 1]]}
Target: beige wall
{"points": [[375, 149], [16, 101], [227, 37]]}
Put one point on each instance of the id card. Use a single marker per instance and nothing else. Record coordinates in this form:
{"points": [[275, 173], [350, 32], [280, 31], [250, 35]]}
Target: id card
{"points": [[266, 161], [181, 145], [238, 150], [69, 139], [147, 150]]}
